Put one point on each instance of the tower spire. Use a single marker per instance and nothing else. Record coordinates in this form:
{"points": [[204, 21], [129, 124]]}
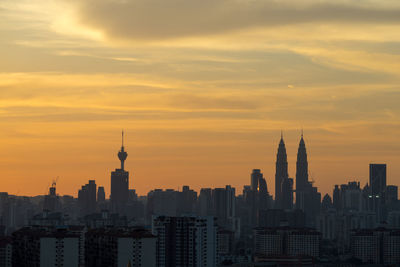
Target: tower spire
{"points": [[301, 166], [122, 138], [281, 172], [122, 155]]}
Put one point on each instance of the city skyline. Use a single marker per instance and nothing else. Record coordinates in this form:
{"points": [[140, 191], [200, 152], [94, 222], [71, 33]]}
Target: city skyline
{"points": [[271, 181], [166, 133]]}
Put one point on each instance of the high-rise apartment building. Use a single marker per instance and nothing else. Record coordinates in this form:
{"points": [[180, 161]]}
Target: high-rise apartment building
{"points": [[185, 241], [5, 252], [120, 247], [376, 246], [45, 247], [287, 241]]}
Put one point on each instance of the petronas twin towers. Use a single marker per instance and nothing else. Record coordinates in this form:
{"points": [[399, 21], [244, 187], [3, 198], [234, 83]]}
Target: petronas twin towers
{"points": [[284, 184], [281, 176]]}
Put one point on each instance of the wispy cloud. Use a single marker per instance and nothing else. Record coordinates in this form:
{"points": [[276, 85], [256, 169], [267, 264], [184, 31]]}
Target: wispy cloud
{"points": [[157, 19]]}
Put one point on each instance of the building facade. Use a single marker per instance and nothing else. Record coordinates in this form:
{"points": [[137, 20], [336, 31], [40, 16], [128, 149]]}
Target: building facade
{"points": [[45, 247], [286, 241], [120, 247], [185, 241]]}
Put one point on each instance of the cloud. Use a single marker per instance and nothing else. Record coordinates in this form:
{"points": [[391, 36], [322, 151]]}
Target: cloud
{"points": [[160, 19]]}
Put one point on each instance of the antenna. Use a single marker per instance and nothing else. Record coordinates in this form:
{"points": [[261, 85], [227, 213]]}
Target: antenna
{"points": [[122, 138], [54, 183]]}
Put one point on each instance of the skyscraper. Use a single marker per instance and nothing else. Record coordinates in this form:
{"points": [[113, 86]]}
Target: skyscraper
{"points": [[120, 183], [256, 176], [185, 241], [224, 205], [308, 199], [301, 166], [281, 173], [377, 178], [377, 181], [87, 198], [302, 184]]}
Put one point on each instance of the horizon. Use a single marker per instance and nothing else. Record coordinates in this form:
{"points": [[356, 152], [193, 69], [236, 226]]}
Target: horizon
{"points": [[239, 187]]}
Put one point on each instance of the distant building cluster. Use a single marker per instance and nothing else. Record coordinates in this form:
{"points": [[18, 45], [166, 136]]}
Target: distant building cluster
{"points": [[213, 227]]}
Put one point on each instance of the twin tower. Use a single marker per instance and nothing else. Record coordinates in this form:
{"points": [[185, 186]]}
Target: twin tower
{"points": [[284, 184]]}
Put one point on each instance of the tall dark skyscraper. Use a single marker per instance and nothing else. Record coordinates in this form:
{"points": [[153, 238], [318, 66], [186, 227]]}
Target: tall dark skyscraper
{"points": [[256, 176], [120, 183], [87, 198], [301, 166], [302, 185], [281, 173], [377, 178], [308, 199]]}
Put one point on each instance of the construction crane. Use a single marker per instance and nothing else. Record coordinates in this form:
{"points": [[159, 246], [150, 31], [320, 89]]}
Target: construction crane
{"points": [[54, 183], [52, 189]]}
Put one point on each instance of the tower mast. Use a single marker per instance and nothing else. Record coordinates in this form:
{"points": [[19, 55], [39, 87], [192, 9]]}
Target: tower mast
{"points": [[122, 155]]}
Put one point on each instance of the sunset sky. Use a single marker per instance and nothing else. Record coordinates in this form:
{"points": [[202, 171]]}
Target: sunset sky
{"points": [[201, 88]]}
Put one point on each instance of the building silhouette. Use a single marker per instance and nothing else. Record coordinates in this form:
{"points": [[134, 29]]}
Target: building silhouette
{"points": [[101, 194], [281, 173], [302, 167], [5, 251], [376, 246], [264, 198], [377, 187], [51, 201], [256, 176], [87, 198], [287, 194], [45, 247], [286, 241], [120, 247], [308, 199], [120, 184], [185, 240], [377, 179]]}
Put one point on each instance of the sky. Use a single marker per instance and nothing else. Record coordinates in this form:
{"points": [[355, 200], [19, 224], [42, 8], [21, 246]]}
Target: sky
{"points": [[202, 90]]}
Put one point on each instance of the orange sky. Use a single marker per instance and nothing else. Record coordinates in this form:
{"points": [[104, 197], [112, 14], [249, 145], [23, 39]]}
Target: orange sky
{"points": [[202, 90]]}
